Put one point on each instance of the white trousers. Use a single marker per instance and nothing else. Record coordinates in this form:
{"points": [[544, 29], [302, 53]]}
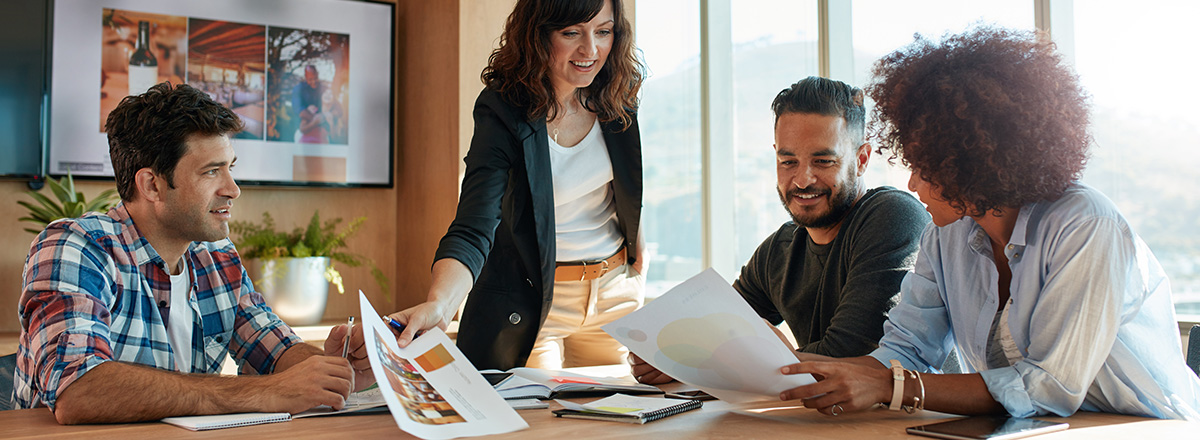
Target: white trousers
{"points": [[571, 336]]}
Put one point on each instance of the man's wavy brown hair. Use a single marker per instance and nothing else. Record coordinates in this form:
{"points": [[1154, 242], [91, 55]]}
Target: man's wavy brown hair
{"points": [[519, 68], [991, 117]]}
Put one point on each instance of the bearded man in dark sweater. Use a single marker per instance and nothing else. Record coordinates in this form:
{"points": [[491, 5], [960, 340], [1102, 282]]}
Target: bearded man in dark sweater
{"points": [[834, 271]]}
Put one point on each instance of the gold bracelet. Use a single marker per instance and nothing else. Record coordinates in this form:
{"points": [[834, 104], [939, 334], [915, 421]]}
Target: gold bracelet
{"points": [[920, 404], [916, 399]]}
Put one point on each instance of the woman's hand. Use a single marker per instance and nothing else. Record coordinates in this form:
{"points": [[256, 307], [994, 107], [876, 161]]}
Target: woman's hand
{"points": [[850, 386], [419, 318], [451, 282]]}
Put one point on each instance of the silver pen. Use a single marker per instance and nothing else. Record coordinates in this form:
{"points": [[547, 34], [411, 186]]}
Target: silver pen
{"points": [[346, 342]]}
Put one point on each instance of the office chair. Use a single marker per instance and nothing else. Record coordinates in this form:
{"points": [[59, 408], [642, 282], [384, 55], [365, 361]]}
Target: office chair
{"points": [[8, 367], [1193, 353]]}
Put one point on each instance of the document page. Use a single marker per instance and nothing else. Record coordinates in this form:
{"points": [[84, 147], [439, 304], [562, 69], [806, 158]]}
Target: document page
{"points": [[432, 390], [703, 333]]}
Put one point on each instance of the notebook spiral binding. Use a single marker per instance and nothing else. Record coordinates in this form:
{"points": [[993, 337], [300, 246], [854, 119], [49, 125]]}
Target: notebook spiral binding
{"points": [[671, 410]]}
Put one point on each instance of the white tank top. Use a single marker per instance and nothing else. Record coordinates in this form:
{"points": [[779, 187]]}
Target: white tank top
{"points": [[180, 322], [585, 217]]}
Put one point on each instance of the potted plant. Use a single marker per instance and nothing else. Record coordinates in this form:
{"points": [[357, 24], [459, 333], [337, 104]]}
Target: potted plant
{"points": [[67, 203], [293, 270]]}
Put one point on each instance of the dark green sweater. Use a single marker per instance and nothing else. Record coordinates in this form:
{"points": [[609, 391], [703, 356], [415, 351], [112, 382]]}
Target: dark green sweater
{"points": [[835, 297]]}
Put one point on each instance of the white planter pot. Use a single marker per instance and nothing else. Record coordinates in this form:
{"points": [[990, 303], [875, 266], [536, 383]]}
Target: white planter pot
{"points": [[294, 288]]}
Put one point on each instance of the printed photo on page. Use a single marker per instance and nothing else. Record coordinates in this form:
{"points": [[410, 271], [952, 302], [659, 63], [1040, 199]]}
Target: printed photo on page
{"points": [[432, 390], [703, 333]]}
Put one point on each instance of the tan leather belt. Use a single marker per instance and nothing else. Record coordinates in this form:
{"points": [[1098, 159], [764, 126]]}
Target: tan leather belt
{"points": [[589, 270]]}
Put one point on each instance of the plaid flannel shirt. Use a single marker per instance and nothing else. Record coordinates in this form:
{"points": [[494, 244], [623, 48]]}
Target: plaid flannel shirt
{"points": [[94, 291]]}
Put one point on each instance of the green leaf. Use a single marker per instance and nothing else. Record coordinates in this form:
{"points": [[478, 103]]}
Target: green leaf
{"points": [[59, 191], [73, 209], [301, 251], [39, 213], [70, 187], [50, 205], [32, 220], [104, 201]]}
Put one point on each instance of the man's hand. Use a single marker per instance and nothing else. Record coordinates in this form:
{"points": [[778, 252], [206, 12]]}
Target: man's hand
{"points": [[646, 373], [419, 318], [315, 381], [356, 354], [851, 386]]}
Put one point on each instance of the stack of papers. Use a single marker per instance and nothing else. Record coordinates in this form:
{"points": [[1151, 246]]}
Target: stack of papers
{"points": [[526, 383]]}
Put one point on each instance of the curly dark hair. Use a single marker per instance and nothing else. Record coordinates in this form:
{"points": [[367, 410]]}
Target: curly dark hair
{"points": [[151, 130], [519, 69], [991, 117]]}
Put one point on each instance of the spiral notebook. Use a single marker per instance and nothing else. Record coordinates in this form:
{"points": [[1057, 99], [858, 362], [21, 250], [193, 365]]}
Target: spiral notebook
{"points": [[360, 402], [221, 421], [626, 408]]}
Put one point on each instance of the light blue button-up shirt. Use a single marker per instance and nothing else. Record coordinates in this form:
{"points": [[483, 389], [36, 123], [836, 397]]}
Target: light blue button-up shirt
{"points": [[1091, 313]]}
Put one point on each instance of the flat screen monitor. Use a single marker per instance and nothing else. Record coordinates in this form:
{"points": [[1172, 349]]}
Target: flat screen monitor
{"points": [[312, 80], [22, 87]]}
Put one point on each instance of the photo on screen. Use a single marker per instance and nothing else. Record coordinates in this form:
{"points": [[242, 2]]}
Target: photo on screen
{"points": [[138, 50], [309, 80], [225, 60], [317, 110]]}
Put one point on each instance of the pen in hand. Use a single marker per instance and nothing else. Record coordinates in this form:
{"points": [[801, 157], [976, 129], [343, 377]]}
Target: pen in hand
{"points": [[346, 342], [394, 324]]}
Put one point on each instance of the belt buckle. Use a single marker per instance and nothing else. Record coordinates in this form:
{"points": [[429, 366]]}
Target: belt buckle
{"points": [[603, 269]]}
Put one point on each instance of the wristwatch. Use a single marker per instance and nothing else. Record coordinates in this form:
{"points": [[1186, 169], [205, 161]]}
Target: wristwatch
{"points": [[897, 385]]}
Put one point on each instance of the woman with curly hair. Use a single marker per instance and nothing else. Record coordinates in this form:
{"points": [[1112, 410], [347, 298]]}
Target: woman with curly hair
{"points": [[546, 238], [1051, 301]]}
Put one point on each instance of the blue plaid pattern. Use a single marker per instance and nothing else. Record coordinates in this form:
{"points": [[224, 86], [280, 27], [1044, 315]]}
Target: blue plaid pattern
{"points": [[94, 291]]}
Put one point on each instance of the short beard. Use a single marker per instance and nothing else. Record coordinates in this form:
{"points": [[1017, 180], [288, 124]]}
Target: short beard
{"points": [[840, 204]]}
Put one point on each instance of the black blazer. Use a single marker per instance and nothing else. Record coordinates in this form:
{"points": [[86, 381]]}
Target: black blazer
{"points": [[504, 228]]}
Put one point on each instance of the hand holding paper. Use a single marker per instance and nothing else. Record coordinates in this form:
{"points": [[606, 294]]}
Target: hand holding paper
{"points": [[703, 334]]}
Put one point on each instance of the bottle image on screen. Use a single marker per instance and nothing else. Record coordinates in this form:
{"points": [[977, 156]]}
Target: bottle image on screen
{"points": [[143, 66]]}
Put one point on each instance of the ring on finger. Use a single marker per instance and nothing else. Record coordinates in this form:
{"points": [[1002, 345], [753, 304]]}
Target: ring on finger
{"points": [[836, 409]]}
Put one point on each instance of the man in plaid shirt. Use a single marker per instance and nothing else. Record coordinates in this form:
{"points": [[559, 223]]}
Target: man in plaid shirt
{"points": [[126, 316]]}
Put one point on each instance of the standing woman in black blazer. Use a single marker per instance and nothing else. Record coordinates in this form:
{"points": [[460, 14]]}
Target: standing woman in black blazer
{"points": [[546, 237]]}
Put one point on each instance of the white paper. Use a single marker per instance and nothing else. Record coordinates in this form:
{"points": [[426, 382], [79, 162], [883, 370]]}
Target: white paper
{"points": [[360, 401], [703, 333], [430, 387], [537, 382]]}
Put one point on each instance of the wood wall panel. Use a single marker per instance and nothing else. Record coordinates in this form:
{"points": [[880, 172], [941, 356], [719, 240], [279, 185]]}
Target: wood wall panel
{"points": [[428, 163]]}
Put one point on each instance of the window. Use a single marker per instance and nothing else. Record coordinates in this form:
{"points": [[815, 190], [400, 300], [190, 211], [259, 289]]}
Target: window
{"points": [[1143, 123], [882, 26], [1146, 126], [668, 34], [774, 45]]}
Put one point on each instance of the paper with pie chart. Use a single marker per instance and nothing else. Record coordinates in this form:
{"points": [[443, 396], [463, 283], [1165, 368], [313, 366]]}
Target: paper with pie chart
{"points": [[703, 333]]}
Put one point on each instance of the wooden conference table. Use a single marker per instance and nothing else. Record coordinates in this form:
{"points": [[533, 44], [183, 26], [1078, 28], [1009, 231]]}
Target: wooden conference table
{"points": [[769, 420]]}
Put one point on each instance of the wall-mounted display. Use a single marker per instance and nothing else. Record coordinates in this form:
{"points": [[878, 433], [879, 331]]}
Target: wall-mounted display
{"points": [[312, 81]]}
